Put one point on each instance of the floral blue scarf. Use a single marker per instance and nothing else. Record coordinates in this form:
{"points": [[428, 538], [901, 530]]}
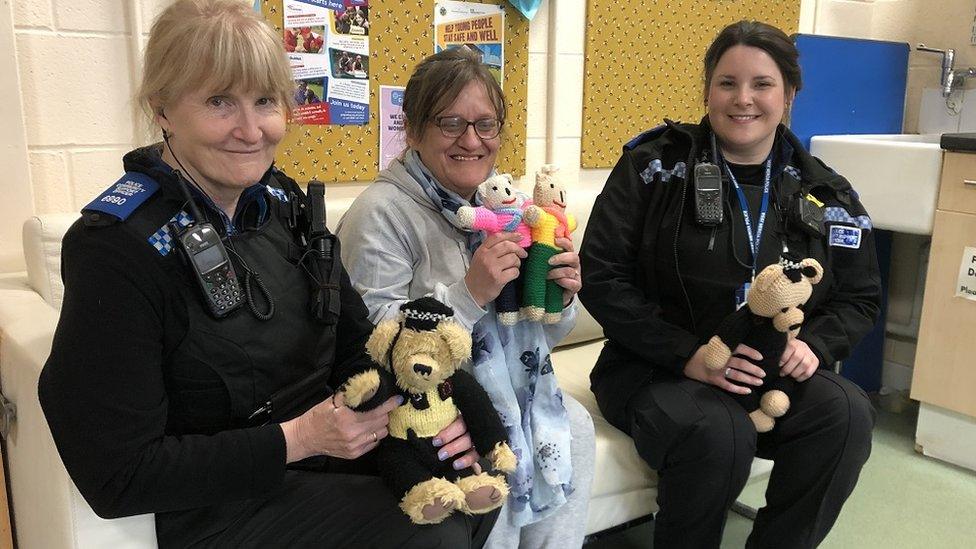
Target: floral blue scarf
{"points": [[512, 363]]}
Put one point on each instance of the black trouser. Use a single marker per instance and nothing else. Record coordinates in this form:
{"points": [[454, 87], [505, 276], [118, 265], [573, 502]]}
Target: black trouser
{"points": [[318, 510], [702, 444]]}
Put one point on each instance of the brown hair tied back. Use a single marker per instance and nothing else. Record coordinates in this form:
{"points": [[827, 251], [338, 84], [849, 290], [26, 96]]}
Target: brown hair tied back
{"points": [[758, 35]]}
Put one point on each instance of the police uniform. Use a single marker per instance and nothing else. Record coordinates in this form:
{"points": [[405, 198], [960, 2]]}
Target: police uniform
{"points": [[148, 395], [660, 283]]}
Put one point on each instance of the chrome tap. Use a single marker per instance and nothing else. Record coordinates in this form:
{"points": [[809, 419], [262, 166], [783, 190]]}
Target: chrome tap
{"points": [[951, 78]]}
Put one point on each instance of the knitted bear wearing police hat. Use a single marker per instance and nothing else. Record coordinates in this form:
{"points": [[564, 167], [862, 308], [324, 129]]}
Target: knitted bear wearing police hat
{"points": [[423, 348], [771, 317]]}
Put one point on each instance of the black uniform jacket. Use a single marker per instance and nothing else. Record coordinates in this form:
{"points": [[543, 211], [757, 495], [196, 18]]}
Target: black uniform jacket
{"points": [[146, 394], [654, 317]]}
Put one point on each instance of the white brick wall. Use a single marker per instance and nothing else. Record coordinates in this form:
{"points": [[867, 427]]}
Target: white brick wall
{"points": [[17, 200], [56, 195], [76, 68], [76, 89]]}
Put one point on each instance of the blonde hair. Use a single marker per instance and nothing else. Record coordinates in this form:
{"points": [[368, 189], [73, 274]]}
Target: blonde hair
{"points": [[217, 44]]}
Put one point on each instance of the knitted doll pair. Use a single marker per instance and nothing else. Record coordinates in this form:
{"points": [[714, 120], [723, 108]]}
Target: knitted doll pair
{"points": [[539, 222]]}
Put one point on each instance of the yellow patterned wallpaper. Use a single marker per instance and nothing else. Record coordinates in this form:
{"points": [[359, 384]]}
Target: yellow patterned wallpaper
{"points": [[644, 63], [399, 37]]}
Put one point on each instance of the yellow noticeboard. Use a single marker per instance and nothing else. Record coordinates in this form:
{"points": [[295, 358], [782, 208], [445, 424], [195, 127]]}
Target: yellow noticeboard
{"points": [[644, 63], [400, 36]]}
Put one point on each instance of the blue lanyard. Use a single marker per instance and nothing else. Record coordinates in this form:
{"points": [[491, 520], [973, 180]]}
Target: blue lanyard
{"points": [[754, 238]]}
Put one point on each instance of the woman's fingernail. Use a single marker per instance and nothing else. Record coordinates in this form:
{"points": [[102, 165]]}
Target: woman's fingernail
{"points": [[400, 400], [458, 464], [442, 455], [438, 442]]}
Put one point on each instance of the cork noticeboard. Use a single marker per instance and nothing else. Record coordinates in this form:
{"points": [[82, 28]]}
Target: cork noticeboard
{"points": [[644, 63], [400, 36]]}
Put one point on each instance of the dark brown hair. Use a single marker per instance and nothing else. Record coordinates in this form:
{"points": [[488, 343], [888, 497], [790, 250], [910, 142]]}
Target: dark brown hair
{"points": [[436, 83], [758, 35]]}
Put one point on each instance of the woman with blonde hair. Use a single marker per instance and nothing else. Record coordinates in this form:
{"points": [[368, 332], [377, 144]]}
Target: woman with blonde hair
{"points": [[193, 323]]}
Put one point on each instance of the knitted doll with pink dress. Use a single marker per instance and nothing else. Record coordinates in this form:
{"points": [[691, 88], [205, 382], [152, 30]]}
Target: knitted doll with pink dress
{"points": [[501, 211]]}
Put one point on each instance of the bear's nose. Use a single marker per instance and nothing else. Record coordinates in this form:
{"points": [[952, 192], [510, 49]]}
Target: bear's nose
{"points": [[794, 327], [422, 369]]}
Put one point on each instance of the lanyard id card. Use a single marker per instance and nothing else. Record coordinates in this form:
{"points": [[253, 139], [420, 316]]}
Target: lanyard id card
{"points": [[742, 295], [755, 238]]}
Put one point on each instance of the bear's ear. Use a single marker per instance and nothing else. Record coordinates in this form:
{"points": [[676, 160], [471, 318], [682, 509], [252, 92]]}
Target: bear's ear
{"points": [[457, 338], [378, 345], [811, 270]]}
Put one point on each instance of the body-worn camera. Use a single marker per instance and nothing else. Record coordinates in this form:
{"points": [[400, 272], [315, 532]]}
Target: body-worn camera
{"points": [[807, 215]]}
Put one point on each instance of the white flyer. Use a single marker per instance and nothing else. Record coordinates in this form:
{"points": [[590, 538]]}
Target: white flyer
{"points": [[967, 275]]}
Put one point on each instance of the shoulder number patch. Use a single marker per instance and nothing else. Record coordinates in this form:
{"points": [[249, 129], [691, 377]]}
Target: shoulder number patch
{"points": [[845, 237], [127, 194]]}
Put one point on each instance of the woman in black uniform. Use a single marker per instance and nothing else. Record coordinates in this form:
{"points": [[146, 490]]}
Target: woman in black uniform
{"points": [[157, 386], [671, 280]]}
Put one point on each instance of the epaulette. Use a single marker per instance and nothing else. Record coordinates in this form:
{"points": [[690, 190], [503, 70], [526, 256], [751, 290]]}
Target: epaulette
{"points": [[652, 133], [121, 199]]}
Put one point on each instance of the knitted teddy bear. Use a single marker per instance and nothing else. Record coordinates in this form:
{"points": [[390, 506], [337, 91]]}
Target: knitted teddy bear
{"points": [[502, 211], [771, 317], [542, 299], [423, 349]]}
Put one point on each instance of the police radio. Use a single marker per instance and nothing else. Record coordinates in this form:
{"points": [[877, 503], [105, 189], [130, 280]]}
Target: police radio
{"points": [[208, 259], [708, 190], [708, 194]]}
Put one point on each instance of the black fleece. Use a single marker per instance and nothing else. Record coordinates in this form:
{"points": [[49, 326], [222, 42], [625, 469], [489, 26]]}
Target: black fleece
{"points": [[633, 252], [147, 396]]}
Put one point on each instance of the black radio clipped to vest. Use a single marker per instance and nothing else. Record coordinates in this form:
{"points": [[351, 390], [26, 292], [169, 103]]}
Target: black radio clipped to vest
{"points": [[708, 194], [208, 259], [708, 190]]}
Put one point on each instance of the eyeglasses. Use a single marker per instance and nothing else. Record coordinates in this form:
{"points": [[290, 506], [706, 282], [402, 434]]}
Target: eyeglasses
{"points": [[455, 126]]}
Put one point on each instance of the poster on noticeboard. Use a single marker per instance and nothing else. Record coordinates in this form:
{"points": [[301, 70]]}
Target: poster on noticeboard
{"points": [[328, 48], [477, 27], [392, 132]]}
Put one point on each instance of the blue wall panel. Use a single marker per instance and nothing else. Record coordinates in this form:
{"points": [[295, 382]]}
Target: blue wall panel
{"points": [[853, 86], [850, 86]]}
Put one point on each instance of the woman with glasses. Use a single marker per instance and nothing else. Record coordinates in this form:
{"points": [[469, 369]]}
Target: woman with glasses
{"points": [[402, 241]]}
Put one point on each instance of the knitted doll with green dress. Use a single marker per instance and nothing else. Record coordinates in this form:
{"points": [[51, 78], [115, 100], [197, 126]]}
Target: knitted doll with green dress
{"points": [[542, 299]]}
